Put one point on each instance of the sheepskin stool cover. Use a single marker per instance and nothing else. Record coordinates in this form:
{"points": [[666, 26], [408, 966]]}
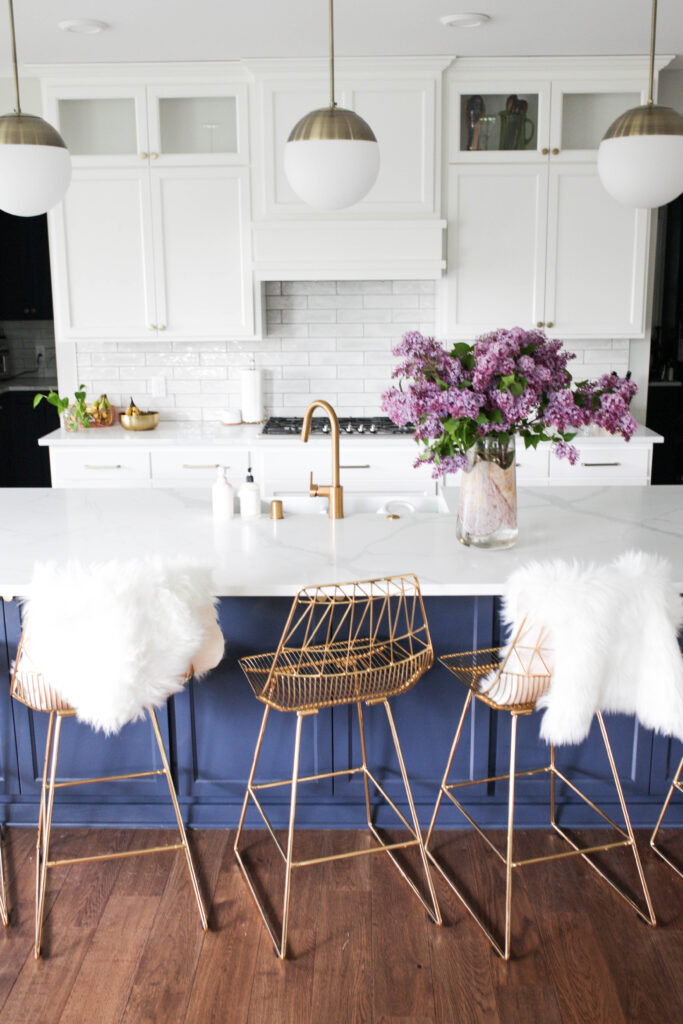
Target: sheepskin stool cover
{"points": [[116, 638], [613, 631]]}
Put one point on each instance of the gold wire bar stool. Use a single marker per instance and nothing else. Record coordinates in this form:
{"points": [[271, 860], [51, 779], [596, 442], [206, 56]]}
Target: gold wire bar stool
{"points": [[35, 691], [512, 680], [677, 784], [347, 643]]}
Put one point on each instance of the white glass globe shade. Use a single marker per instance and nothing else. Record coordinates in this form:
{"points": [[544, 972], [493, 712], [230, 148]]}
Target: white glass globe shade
{"points": [[642, 170], [331, 174], [33, 179]]}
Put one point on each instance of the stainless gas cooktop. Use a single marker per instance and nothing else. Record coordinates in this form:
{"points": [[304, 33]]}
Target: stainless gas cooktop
{"points": [[370, 426]]}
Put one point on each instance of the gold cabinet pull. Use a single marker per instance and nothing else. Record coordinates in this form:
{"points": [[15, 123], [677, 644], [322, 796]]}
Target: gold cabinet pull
{"points": [[151, 327], [197, 465], [161, 327], [539, 323], [143, 156], [550, 324], [365, 465], [86, 466], [154, 156], [555, 152], [545, 151], [591, 464]]}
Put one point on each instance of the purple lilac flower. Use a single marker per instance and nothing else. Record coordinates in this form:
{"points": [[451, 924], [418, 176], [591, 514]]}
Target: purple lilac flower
{"points": [[508, 381]]}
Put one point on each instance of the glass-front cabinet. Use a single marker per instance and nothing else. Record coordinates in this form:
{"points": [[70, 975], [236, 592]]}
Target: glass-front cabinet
{"points": [[121, 125], [533, 238], [153, 237]]}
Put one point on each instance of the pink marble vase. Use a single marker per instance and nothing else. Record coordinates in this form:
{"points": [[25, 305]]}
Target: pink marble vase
{"points": [[487, 509]]}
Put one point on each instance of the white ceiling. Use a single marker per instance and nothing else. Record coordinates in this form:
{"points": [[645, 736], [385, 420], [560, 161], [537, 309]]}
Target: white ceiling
{"points": [[159, 30]]}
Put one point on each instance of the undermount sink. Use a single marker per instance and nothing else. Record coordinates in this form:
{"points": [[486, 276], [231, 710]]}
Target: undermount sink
{"points": [[391, 505]]}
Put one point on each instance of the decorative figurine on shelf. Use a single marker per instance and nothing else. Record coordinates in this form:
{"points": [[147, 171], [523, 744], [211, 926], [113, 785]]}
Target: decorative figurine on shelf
{"points": [[468, 403]]}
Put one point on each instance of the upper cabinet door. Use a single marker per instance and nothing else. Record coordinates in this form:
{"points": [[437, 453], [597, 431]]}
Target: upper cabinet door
{"points": [[103, 126], [202, 254], [582, 111], [101, 256], [494, 118], [496, 248], [197, 124], [595, 279]]}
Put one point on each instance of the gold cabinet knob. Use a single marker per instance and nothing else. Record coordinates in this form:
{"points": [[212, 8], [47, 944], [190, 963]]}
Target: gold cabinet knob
{"points": [[545, 151], [555, 152], [161, 327], [154, 156], [539, 323], [550, 324], [143, 156], [151, 327]]}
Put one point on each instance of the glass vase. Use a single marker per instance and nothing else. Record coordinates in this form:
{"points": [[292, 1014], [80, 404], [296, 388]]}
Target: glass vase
{"points": [[487, 509]]}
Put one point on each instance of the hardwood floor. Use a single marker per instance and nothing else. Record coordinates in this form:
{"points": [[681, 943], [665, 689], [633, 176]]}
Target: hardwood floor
{"points": [[123, 941]]}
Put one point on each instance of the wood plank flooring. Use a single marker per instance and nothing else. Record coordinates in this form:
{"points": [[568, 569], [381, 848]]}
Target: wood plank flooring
{"points": [[123, 943]]}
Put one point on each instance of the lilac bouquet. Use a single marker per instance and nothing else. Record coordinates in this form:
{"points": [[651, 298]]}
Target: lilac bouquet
{"points": [[508, 382]]}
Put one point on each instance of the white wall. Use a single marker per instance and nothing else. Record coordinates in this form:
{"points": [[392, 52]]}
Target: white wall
{"points": [[29, 94]]}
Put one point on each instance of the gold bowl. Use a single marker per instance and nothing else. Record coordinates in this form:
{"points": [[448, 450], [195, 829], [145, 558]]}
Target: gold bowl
{"points": [[143, 421]]}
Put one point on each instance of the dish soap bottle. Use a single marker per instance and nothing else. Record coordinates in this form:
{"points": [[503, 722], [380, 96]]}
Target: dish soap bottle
{"points": [[223, 497], [250, 497]]}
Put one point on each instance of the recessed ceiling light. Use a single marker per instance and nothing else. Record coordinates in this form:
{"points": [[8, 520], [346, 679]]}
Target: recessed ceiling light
{"points": [[465, 20], [83, 26]]}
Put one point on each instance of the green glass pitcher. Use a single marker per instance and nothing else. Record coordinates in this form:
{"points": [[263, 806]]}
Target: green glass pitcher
{"points": [[516, 130]]}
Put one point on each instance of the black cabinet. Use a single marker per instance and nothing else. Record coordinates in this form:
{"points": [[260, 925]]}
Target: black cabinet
{"points": [[22, 462], [25, 289]]}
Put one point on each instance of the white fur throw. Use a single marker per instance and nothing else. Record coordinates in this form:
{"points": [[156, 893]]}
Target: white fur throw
{"points": [[116, 638], [613, 632]]}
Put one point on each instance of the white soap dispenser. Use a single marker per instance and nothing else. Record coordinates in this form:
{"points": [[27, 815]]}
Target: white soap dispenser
{"points": [[250, 497], [223, 497]]}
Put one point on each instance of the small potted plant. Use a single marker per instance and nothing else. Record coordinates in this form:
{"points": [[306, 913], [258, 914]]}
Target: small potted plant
{"points": [[79, 415]]}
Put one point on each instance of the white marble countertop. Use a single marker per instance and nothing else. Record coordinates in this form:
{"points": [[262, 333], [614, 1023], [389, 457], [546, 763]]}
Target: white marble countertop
{"points": [[179, 435], [262, 557]]}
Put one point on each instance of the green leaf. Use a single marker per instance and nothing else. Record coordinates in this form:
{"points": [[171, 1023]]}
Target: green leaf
{"points": [[482, 417], [516, 389], [496, 416]]}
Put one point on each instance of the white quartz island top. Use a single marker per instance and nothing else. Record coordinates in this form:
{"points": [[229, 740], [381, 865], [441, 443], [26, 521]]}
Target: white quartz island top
{"points": [[264, 557]]}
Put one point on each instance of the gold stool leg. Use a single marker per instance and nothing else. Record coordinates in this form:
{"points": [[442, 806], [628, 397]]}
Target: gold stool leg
{"points": [[44, 827], [368, 810], [650, 918], [282, 952], [510, 835], [179, 819], [250, 782], [442, 790], [676, 784], [3, 897], [433, 910]]}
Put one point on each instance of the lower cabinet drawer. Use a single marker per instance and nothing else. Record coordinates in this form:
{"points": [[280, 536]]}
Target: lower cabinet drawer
{"points": [[361, 469], [196, 467], [103, 467], [608, 464]]}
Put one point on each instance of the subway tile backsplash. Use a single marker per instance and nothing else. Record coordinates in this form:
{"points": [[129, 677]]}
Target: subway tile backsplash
{"points": [[323, 339]]}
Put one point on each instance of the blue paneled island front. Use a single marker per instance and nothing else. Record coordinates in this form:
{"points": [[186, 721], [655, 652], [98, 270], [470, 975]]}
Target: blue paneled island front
{"points": [[258, 565]]}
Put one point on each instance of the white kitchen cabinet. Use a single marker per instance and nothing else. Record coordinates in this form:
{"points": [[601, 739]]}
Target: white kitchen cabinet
{"points": [[153, 239], [196, 467], [99, 467], [138, 254], [363, 467], [533, 238], [604, 464]]}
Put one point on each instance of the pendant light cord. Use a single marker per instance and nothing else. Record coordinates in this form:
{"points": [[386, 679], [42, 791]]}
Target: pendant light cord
{"points": [[17, 104], [333, 102], [652, 51]]}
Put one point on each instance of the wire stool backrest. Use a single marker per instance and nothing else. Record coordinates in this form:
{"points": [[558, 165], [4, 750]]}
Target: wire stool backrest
{"points": [[350, 641]]}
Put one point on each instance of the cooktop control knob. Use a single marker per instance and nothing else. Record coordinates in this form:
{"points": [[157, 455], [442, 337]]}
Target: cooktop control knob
{"points": [[349, 428], [361, 428]]}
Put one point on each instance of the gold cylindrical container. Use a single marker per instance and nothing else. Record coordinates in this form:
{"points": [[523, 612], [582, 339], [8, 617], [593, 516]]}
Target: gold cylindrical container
{"points": [[276, 509]]}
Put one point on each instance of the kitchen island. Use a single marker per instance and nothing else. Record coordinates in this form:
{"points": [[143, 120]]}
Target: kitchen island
{"points": [[257, 566]]}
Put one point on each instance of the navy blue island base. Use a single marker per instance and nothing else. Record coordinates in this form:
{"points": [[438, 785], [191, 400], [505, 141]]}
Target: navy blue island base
{"points": [[211, 729]]}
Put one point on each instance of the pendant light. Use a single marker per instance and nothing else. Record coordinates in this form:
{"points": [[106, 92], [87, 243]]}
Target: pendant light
{"points": [[331, 156], [640, 159], [35, 166]]}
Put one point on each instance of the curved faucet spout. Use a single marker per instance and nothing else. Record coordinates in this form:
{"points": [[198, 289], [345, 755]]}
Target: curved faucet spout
{"points": [[335, 491]]}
